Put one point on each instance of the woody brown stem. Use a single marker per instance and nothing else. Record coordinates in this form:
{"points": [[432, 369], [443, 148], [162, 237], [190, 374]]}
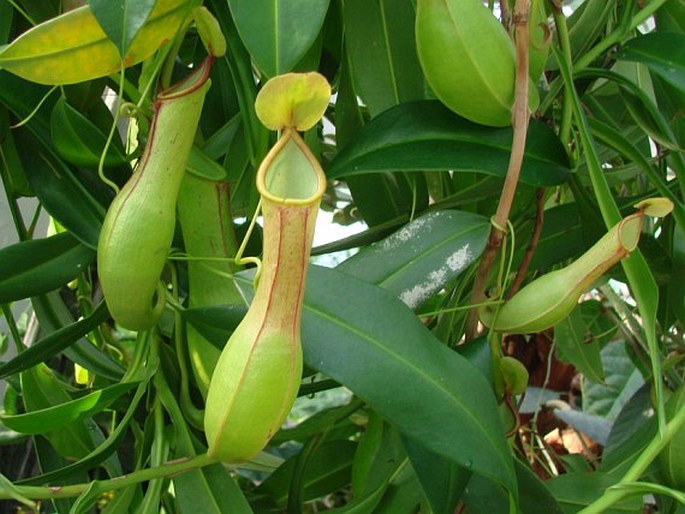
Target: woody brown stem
{"points": [[520, 125]]}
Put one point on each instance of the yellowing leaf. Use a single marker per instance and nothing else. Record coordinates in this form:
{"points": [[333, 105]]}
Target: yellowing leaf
{"points": [[73, 47], [296, 100]]}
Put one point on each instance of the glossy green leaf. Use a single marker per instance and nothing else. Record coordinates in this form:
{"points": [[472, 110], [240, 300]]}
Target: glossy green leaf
{"points": [[328, 470], [447, 405], [73, 47], [34, 267], [485, 497], [421, 258], [575, 344], [99, 454], [62, 414], [121, 19], [574, 491], [381, 50], [57, 341], [54, 315], [6, 486], [14, 174], [442, 481], [79, 141], [634, 427], [210, 490], [281, 34], [587, 22], [203, 166], [425, 135], [662, 52], [215, 323], [671, 17], [57, 187], [41, 390]]}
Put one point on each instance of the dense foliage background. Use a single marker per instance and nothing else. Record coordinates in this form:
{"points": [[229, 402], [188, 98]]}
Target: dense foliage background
{"points": [[398, 411]]}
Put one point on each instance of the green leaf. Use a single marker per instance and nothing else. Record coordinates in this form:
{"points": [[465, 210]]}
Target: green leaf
{"points": [[215, 323], [99, 454], [328, 469], [442, 402], [574, 491], [587, 22], [425, 135], [381, 49], [633, 429], [662, 52], [14, 492], [281, 33], [121, 19], [34, 267], [203, 166], [485, 497], [622, 381], [73, 47], [442, 481], [79, 140], [54, 315], [576, 345], [421, 258], [57, 341], [41, 390], [58, 416]]}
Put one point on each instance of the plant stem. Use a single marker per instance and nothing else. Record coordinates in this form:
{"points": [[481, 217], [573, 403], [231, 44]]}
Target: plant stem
{"points": [[167, 469], [616, 493], [567, 105], [520, 125]]}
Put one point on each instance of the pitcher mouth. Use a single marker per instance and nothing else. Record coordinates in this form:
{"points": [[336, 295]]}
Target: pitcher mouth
{"points": [[290, 174]]}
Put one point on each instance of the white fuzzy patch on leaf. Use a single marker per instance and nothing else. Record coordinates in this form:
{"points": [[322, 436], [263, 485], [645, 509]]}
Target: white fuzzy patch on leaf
{"points": [[437, 278]]}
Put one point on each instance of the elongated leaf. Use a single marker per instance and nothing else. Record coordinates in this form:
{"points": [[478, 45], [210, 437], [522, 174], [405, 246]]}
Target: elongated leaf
{"points": [[586, 23], [446, 404], [282, 32], [576, 345], [58, 416], [425, 135], [328, 469], [73, 47], [79, 141], [485, 497], [443, 481], [40, 390], [210, 489], [99, 454], [54, 343], [420, 259], [381, 49], [215, 323], [121, 19], [54, 315], [623, 380], [576, 490], [662, 52], [34, 267]]}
